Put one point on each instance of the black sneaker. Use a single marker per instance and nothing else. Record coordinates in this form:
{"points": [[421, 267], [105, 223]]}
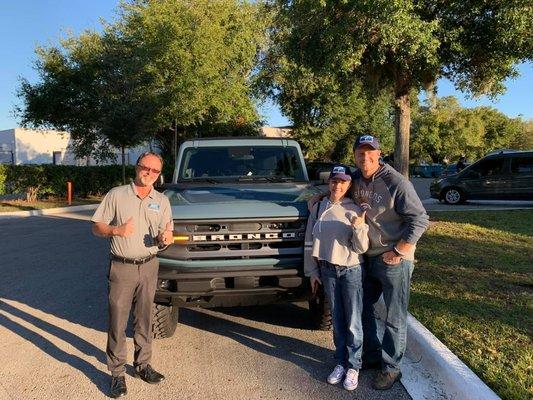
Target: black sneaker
{"points": [[385, 380], [118, 386], [148, 375]]}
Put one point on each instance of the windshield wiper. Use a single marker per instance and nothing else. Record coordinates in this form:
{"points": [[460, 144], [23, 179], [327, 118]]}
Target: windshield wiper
{"points": [[202, 179]]}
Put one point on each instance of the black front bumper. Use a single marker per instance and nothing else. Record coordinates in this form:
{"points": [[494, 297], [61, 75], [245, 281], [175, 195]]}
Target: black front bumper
{"points": [[230, 286]]}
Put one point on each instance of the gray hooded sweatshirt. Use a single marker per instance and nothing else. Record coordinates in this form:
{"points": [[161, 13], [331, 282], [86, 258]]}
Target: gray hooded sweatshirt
{"points": [[331, 237], [393, 210]]}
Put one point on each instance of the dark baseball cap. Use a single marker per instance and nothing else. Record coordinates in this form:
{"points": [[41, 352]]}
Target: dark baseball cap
{"points": [[366, 140], [341, 172]]}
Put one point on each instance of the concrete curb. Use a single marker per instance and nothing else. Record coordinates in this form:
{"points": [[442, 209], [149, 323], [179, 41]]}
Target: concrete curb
{"points": [[48, 211], [459, 382], [432, 371]]}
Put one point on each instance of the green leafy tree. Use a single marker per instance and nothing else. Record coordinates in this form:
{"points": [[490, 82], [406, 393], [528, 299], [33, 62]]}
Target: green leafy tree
{"points": [[200, 55], [524, 140], [446, 131], [406, 45], [166, 66], [500, 130], [326, 113]]}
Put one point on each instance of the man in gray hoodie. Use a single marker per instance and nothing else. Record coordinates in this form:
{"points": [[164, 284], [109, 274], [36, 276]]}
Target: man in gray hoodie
{"points": [[396, 219]]}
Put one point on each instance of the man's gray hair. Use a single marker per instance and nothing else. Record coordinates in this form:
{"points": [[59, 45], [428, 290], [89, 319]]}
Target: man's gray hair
{"points": [[149, 153]]}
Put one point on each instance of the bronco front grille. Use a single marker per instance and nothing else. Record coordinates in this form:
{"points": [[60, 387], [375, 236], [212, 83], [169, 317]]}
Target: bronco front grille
{"points": [[202, 240]]}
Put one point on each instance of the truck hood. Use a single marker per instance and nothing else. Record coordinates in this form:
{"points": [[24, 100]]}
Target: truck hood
{"points": [[223, 201]]}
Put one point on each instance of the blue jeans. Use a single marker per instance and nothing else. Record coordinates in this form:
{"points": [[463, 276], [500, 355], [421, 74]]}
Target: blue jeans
{"points": [[393, 281], [343, 287]]}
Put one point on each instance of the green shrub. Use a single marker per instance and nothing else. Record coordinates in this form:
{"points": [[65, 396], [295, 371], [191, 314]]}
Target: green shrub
{"points": [[51, 180]]}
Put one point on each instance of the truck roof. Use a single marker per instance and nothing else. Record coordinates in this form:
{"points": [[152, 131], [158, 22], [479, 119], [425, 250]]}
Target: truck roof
{"points": [[239, 141]]}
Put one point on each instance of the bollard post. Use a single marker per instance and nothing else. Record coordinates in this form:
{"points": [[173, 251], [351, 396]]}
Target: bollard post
{"points": [[69, 193]]}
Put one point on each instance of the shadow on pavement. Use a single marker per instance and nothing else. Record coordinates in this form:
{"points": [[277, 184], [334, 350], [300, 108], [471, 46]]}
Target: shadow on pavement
{"points": [[97, 377], [314, 359], [287, 315]]}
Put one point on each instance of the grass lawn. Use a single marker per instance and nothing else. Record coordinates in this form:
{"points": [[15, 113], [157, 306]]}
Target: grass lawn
{"points": [[22, 205], [473, 288]]}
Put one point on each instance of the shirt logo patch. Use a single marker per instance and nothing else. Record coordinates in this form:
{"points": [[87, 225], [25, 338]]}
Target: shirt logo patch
{"points": [[153, 206]]}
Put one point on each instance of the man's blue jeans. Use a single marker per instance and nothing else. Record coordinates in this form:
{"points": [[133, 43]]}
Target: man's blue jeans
{"points": [[393, 281], [343, 287]]}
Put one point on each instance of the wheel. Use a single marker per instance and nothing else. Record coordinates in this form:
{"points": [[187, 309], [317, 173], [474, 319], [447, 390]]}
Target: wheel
{"points": [[319, 312], [164, 320], [453, 195]]}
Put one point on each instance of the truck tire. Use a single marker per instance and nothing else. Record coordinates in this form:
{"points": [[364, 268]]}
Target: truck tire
{"points": [[164, 320], [320, 312]]}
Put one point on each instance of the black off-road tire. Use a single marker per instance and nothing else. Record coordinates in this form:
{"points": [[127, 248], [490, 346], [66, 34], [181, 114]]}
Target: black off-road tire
{"points": [[320, 312], [165, 320]]}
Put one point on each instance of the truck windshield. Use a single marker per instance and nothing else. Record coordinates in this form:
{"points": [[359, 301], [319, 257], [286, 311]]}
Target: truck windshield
{"points": [[235, 162]]}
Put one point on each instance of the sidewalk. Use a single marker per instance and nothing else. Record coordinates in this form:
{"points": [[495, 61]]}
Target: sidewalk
{"points": [[47, 211]]}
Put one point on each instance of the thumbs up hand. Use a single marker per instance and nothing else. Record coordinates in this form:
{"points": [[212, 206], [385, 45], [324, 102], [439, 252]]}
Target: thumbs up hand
{"points": [[358, 220], [166, 236], [126, 229]]}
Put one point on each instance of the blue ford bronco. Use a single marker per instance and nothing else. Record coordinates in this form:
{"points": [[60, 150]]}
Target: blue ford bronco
{"points": [[240, 210]]}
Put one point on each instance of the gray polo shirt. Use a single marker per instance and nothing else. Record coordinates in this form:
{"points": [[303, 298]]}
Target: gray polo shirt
{"points": [[150, 216]]}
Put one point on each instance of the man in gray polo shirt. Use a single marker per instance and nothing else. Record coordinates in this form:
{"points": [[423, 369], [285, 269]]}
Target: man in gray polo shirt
{"points": [[138, 220]]}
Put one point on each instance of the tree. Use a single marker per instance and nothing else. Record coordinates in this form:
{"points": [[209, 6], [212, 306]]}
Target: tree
{"points": [[200, 55], [407, 44], [447, 131], [326, 113], [163, 66], [91, 88]]}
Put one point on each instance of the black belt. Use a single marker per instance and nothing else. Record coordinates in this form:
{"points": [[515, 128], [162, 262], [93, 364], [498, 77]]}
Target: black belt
{"points": [[135, 261]]}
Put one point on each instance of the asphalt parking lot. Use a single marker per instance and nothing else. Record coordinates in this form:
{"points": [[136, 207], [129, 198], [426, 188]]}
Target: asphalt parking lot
{"points": [[53, 320]]}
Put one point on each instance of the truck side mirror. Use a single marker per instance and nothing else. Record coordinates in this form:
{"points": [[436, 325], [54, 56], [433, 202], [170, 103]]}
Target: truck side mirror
{"points": [[323, 177]]}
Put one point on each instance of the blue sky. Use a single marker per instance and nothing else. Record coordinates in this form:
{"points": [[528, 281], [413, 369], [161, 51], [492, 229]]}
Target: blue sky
{"points": [[24, 24]]}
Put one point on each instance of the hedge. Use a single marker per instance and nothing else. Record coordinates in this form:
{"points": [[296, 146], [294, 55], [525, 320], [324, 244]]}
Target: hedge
{"points": [[51, 180]]}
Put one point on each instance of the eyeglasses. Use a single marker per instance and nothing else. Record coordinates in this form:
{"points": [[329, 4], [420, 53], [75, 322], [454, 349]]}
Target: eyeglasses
{"points": [[148, 169]]}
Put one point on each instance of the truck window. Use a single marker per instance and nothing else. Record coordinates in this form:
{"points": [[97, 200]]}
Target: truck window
{"points": [[241, 161]]}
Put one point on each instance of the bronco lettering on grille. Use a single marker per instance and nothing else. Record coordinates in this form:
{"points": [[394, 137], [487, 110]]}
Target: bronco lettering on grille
{"points": [[245, 236]]}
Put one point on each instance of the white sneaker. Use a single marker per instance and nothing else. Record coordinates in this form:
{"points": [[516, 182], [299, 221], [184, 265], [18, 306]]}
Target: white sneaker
{"points": [[336, 375], [352, 379]]}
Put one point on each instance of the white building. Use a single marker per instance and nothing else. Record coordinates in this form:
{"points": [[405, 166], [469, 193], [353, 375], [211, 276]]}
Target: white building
{"points": [[274, 132], [26, 146]]}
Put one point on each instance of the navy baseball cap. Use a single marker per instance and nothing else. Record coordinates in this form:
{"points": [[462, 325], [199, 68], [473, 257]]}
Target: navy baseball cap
{"points": [[341, 172], [366, 140]]}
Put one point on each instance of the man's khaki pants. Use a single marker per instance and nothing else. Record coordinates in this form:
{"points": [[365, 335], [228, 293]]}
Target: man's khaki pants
{"points": [[129, 283]]}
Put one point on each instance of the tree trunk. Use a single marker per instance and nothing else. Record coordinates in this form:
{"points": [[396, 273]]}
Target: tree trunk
{"points": [[402, 108], [175, 144], [123, 155]]}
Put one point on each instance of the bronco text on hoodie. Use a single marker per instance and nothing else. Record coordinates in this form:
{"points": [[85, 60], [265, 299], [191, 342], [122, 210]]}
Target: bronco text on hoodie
{"points": [[332, 238], [393, 210]]}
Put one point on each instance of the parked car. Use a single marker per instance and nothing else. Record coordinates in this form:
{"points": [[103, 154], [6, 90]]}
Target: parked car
{"points": [[504, 175]]}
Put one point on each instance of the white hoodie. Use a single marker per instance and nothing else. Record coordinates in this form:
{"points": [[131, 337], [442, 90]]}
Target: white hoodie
{"points": [[332, 238]]}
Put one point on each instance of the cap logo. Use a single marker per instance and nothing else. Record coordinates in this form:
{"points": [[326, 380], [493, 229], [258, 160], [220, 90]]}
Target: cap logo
{"points": [[339, 170], [366, 139]]}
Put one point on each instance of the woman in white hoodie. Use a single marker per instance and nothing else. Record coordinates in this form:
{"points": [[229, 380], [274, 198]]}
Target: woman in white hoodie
{"points": [[335, 239]]}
